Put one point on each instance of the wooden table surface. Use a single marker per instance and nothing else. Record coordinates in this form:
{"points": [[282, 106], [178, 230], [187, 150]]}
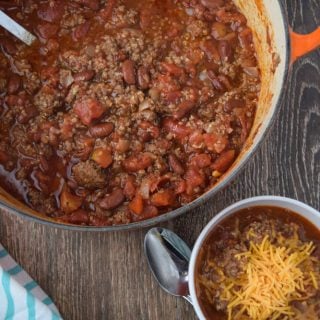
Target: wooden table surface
{"points": [[105, 275]]}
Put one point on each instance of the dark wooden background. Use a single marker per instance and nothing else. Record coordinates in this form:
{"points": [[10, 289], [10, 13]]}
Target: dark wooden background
{"points": [[105, 276]]}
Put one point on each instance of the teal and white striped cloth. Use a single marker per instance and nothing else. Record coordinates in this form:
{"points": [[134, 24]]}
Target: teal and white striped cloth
{"points": [[20, 296]]}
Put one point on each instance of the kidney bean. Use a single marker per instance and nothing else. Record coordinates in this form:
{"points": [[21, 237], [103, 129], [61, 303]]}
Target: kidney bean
{"points": [[233, 103], [128, 72], [172, 69], [14, 84], [219, 30], [150, 128], [201, 160], [217, 83], [212, 4], [47, 30], [225, 81], [51, 12], [225, 51], [210, 49], [143, 78], [137, 162], [86, 75], [101, 130], [77, 217], [123, 145], [81, 31], [163, 198], [183, 109], [224, 161], [175, 164], [180, 131], [113, 200], [149, 211]]}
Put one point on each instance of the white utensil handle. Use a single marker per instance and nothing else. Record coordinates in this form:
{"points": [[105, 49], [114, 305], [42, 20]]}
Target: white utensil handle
{"points": [[17, 30]]}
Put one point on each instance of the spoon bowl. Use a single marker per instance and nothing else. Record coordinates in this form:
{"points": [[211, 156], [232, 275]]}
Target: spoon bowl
{"points": [[168, 258]]}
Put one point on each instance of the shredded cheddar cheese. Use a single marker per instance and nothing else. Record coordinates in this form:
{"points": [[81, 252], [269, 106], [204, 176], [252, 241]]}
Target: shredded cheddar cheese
{"points": [[272, 278]]}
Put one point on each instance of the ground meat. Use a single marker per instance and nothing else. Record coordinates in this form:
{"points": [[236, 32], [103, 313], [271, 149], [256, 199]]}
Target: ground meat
{"points": [[89, 175], [43, 204], [176, 84], [47, 100]]}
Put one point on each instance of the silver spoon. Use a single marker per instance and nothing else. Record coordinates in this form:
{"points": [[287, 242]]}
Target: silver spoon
{"points": [[15, 28], [168, 257]]}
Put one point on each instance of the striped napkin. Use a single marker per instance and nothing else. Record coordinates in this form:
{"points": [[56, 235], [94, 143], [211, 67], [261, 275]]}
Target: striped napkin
{"points": [[20, 297]]}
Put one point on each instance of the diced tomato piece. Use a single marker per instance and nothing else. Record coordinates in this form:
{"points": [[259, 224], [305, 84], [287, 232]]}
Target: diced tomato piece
{"points": [[201, 160], [163, 198], [88, 110], [102, 157], [69, 202], [136, 205]]}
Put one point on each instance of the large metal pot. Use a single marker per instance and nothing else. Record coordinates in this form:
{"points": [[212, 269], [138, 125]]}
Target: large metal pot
{"points": [[277, 48]]}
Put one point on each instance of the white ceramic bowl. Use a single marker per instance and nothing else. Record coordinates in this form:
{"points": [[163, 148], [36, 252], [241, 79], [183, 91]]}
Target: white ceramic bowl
{"points": [[300, 208]]}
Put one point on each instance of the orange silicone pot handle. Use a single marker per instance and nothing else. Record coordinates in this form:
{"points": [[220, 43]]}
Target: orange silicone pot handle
{"points": [[302, 44]]}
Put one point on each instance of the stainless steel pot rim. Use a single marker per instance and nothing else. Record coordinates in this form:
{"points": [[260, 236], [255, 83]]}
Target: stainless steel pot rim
{"points": [[199, 201]]}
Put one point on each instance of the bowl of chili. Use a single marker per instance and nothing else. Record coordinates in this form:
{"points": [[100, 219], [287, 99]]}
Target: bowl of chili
{"points": [[258, 259]]}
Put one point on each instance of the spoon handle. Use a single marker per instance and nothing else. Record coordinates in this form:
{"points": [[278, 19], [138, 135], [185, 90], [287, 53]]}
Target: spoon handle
{"points": [[15, 28]]}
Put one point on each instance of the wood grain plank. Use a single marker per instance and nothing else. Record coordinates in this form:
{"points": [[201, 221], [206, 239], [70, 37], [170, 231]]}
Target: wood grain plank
{"points": [[105, 275]]}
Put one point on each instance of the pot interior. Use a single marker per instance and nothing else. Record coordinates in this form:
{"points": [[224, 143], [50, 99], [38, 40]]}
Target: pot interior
{"points": [[267, 21]]}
